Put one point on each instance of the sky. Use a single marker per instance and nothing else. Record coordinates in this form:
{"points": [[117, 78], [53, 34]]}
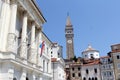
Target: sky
{"points": [[95, 22]]}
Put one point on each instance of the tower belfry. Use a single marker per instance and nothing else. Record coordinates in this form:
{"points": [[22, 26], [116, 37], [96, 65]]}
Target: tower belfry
{"points": [[69, 38]]}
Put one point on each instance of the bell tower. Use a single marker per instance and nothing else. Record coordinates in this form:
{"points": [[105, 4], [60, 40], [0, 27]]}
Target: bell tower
{"points": [[69, 39]]}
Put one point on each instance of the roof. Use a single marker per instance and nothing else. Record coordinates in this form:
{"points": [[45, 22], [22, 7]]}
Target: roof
{"points": [[39, 10], [104, 57], [68, 22], [54, 59], [92, 62], [89, 48]]}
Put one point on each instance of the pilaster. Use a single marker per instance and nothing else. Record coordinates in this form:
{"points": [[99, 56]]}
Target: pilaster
{"points": [[11, 35], [4, 25], [39, 60], [23, 76], [23, 48], [33, 51], [11, 73]]}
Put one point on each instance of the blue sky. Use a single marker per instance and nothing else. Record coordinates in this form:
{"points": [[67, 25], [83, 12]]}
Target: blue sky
{"points": [[95, 22]]}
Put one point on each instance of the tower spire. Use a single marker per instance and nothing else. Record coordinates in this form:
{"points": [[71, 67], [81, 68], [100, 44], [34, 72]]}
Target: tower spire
{"points": [[68, 22]]}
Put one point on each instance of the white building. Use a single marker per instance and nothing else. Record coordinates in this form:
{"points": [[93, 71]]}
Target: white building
{"points": [[90, 53], [20, 36], [58, 63], [91, 64], [91, 70]]}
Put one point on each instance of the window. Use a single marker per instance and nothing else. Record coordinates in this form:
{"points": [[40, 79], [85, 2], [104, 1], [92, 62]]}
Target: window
{"points": [[78, 68], [43, 65], [110, 73], [47, 66], [118, 65], [92, 78], [85, 55], [27, 78], [87, 71], [73, 75], [89, 79], [73, 69], [118, 57], [96, 78], [14, 79], [92, 56], [51, 52], [84, 78], [104, 73], [108, 60], [95, 70], [79, 74], [47, 50]]}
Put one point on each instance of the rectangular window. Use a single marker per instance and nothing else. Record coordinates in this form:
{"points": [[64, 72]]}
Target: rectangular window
{"points": [[73, 69], [118, 57], [73, 74], [79, 74], [47, 66], [95, 70], [87, 72], [43, 65], [118, 65], [78, 68]]}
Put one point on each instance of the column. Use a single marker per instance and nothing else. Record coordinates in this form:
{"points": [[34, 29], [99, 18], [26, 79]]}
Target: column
{"points": [[11, 34], [39, 59], [23, 48], [4, 24], [33, 51]]}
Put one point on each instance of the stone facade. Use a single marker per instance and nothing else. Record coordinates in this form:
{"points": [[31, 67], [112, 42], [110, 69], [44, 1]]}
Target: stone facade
{"points": [[106, 67], [115, 53], [20, 37], [69, 39]]}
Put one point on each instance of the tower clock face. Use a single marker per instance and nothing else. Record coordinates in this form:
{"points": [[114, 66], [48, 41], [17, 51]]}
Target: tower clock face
{"points": [[69, 41]]}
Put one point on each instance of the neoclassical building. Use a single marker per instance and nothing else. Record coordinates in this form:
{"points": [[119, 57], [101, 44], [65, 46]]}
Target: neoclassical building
{"points": [[20, 37]]}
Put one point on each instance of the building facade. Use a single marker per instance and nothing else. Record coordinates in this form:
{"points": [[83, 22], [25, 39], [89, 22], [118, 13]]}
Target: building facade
{"points": [[106, 68], [20, 37], [58, 64], [75, 70], [115, 53], [91, 64], [91, 70]]}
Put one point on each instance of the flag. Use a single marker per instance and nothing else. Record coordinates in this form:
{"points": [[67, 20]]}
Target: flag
{"points": [[42, 45]]}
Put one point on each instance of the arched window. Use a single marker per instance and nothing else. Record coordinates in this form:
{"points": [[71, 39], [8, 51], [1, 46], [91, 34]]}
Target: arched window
{"points": [[84, 78], [89, 79], [92, 78], [27, 78], [96, 78], [14, 79]]}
